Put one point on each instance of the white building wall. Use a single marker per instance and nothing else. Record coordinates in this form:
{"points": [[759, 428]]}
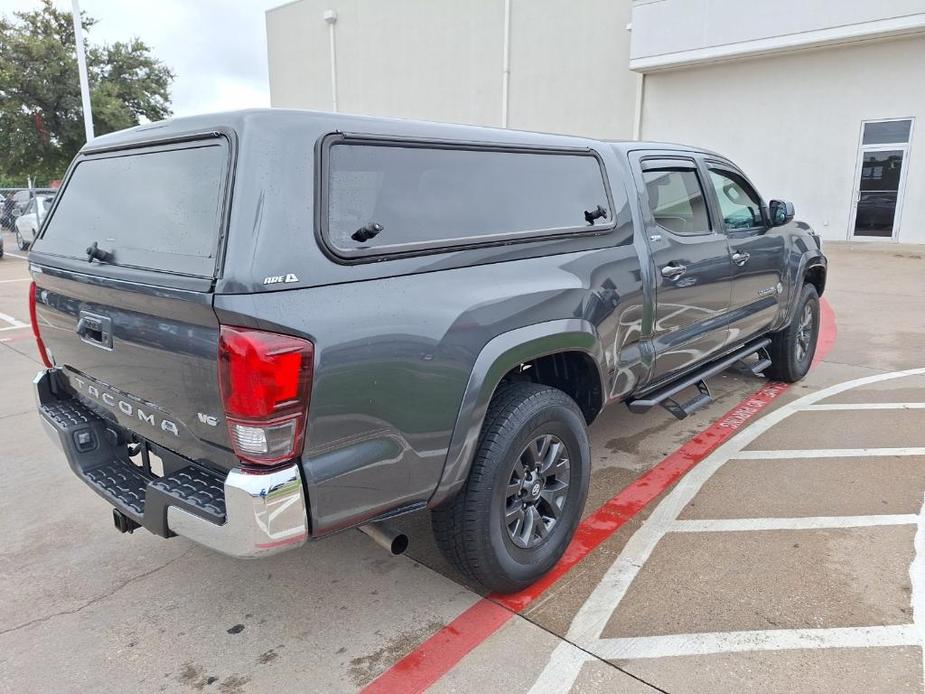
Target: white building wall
{"points": [[440, 60], [569, 69], [402, 58], [793, 122], [667, 33]]}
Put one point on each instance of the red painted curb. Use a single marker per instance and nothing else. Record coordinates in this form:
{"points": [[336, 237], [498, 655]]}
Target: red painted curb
{"points": [[828, 331], [442, 652]]}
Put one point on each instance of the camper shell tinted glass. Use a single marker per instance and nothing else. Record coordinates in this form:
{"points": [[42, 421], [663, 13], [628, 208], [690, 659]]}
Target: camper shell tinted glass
{"points": [[157, 208], [424, 197]]}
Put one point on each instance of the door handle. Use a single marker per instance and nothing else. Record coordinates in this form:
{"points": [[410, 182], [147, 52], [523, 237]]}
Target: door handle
{"points": [[740, 258], [673, 271], [95, 330]]}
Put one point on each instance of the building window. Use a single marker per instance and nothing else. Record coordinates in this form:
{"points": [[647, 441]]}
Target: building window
{"points": [[887, 132], [421, 197]]}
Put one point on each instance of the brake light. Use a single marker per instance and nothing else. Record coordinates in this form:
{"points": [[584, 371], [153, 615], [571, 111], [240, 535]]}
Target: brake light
{"points": [[43, 353], [266, 382]]}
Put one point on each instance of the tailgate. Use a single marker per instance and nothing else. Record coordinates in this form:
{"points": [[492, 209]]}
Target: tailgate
{"points": [[131, 324], [146, 358]]}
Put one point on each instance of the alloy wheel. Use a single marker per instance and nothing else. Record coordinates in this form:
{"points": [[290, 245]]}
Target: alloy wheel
{"points": [[805, 332], [536, 491]]}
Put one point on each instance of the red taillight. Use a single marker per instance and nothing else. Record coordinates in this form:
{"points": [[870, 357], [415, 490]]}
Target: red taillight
{"points": [[266, 382], [43, 353]]}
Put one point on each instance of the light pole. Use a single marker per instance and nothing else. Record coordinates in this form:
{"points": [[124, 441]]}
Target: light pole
{"points": [[330, 16], [82, 70]]}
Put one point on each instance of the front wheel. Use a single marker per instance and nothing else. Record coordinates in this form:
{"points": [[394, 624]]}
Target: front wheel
{"points": [[793, 348], [20, 241], [525, 493]]}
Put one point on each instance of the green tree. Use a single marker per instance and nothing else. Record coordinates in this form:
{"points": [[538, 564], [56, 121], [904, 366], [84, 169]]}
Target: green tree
{"points": [[41, 118]]}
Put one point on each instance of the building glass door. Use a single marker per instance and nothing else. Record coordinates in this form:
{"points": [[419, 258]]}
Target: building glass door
{"points": [[880, 179]]}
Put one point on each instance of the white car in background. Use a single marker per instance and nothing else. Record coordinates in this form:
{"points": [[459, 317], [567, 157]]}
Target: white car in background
{"points": [[30, 221]]}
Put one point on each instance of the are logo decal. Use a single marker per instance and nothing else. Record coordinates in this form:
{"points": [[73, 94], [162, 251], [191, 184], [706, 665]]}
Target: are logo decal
{"points": [[281, 279]]}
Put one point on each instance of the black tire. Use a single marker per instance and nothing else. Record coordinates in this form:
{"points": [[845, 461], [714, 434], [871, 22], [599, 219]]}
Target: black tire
{"points": [[21, 242], [792, 349], [471, 529]]}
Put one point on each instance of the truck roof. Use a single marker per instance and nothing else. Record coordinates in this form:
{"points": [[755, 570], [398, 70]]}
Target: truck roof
{"points": [[321, 121]]}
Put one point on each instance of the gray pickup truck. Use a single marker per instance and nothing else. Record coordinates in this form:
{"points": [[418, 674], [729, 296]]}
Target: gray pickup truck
{"points": [[264, 327]]}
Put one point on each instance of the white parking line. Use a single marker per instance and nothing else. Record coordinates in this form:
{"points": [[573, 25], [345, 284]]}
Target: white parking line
{"points": [[15, 324], [757, 640], [866, 406], [13, 255], [22, 279], [917, 579], [828, 453], [592, 617], [727, 525], [570, 660]]}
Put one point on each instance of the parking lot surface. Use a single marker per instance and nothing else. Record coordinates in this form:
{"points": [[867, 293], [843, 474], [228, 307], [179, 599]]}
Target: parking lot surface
{"points": [[772, 542]]}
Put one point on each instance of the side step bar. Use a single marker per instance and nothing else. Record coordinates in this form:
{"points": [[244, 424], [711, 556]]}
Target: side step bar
{"points": [[665, 395], [764, 361]]}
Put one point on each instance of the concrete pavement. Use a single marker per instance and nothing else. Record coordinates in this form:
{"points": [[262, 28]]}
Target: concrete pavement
{"points": [[797, 577]]}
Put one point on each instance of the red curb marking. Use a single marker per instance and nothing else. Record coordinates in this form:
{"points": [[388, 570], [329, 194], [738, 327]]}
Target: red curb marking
{"points": [[439, 654], [828, 331]]}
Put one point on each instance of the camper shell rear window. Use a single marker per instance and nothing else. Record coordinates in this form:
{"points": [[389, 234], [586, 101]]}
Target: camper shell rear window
{"points": [[154, 208]]}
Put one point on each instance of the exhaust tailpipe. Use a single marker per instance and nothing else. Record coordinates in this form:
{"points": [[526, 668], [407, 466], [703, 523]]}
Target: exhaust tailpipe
{"points": [[394, 541]]}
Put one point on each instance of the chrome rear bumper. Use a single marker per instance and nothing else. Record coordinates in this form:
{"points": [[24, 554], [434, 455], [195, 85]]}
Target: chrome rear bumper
{"points": [[248, 514], [265, 514]]}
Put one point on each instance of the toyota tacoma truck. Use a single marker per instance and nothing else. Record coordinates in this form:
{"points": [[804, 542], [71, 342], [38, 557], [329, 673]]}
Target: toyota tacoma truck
{"points": [[263, 327]]}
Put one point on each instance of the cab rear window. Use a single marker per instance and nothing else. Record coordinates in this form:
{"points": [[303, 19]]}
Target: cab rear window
{"points": [[156, 209], [391, 198]]}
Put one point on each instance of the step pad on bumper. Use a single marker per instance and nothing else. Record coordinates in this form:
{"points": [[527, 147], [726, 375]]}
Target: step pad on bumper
{"points": [[94, 456], [190, 488], [194, 488], [120, 482], [68, 415]]}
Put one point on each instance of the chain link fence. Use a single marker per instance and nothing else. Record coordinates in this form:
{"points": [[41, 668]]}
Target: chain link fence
{"points": [[22, 211], [14, 202]]}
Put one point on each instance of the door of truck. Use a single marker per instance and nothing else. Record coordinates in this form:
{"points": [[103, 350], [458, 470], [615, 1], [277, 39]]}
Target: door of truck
{"points": [[757, 256], [690, 259]]}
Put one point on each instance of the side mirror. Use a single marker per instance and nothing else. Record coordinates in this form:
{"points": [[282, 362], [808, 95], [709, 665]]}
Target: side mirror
{"points": [[780, 212]]}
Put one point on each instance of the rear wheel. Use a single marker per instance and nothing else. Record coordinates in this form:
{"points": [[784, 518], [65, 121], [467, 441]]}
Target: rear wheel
{"points": [[522, 502], [20, 241], [793, 348]]}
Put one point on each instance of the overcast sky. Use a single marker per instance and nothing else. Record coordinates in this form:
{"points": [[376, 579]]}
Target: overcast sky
{"points": [[216, 48]]}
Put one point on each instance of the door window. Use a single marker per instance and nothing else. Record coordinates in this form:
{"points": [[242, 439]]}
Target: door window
{"points": [[878, 192], [738, 201], [676, 200], [880, 178]]}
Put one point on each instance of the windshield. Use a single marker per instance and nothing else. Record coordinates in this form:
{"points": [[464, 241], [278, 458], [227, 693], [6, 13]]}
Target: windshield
{"points": [[158, 210]]}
